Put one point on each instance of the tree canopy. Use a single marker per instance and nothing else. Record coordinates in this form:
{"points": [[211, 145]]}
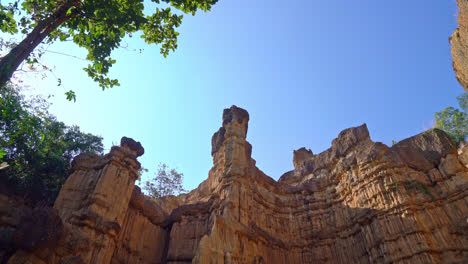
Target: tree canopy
{"points": [[96, 25], [166, 182], [37, 150], [455, 121]]}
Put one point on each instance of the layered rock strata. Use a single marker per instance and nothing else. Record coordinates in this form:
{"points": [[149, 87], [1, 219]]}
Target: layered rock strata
{"points": [[357, 202], [92, 205]]}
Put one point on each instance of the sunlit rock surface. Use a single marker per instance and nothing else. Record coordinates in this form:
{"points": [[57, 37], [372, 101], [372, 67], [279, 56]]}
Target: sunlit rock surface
{"points": [[459, 41], [357, 202]]}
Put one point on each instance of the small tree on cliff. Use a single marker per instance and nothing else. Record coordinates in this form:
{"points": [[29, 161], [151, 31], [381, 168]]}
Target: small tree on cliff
{"points": [[455, 121], [97, 25], [166, 182]]}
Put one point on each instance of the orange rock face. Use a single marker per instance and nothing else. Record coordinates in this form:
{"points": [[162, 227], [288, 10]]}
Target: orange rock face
{"points": [[459, 41], [357, 202]]}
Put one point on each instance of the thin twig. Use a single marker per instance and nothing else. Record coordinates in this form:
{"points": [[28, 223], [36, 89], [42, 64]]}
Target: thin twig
{"points": [[64, 54]]}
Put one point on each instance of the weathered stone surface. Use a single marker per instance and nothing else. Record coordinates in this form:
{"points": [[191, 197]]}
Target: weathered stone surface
{"points": [[132, 145], [12, 210], [301, 155], [347, 139], [236, 120], [92, 205], [463, 155], [424, 151], [450, 165], [140, 240], [236, 114], [148, 208], [357, 202], [38, 228], [459, 42]]}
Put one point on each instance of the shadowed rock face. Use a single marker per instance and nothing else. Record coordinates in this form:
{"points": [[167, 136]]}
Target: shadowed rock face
{"points": [[132, 146], [300, 156], [459, 42], [357, 202], [424, 151], [235, 122]]}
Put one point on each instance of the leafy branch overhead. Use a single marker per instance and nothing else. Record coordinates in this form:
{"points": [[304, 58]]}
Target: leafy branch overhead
{"points": [[96, 25]]}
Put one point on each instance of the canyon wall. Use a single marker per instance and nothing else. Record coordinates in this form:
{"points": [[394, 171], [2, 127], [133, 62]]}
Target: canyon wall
{"points": [[357, 202], [459, 42]]}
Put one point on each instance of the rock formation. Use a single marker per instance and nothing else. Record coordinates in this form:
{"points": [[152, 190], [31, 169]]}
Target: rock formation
{"points": [[92, 206], [300, 156], [357, 202], [459, 41], [463, 155]]}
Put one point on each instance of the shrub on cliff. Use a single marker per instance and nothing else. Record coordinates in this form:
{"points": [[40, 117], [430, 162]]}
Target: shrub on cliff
{"points": [[37, 148], [455, 121]]}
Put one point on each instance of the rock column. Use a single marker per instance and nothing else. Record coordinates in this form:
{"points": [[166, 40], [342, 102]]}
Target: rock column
{"points": [[92, 205]]}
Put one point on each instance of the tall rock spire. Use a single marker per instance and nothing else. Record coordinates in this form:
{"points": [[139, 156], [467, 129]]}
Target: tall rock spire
{"points": [[229, 147], [92, 204]]}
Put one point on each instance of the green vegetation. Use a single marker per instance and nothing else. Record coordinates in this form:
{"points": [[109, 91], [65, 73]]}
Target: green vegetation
{"points": [[414, 185], [455, 121], [166, 182], [411, 186], [392, 186], [96, 25], [36, 148]]}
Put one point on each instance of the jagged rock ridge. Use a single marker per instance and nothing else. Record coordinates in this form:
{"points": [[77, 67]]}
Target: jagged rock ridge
{"points": [[357, 202]]}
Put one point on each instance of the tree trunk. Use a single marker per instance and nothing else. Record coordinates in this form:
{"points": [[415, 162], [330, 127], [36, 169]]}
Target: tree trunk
{"points": [[10, 62]]}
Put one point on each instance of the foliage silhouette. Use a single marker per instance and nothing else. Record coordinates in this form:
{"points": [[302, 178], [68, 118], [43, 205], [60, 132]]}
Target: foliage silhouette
{"points": [[166, 182], [96, 25], [455, 121], [37, 148]]}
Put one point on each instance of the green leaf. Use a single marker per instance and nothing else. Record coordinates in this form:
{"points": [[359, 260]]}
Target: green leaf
{"points": [[2, 154], [454, 122], [100, 26], [71, 95]]}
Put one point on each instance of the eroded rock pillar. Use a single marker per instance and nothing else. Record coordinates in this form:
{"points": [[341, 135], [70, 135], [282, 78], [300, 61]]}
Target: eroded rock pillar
{"points": [[231, 152], [95, 198], [92, 205]]}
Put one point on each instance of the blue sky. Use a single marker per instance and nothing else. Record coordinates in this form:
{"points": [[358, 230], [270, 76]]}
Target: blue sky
{"points": [[305, 70]]}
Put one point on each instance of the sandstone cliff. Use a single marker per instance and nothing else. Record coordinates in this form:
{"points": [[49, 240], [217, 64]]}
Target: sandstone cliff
{"points": [[459, 41], [357, 202]]}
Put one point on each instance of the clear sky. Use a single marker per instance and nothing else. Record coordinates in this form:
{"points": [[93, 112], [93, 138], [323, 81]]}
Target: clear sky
{"points": [[304, 70]]}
